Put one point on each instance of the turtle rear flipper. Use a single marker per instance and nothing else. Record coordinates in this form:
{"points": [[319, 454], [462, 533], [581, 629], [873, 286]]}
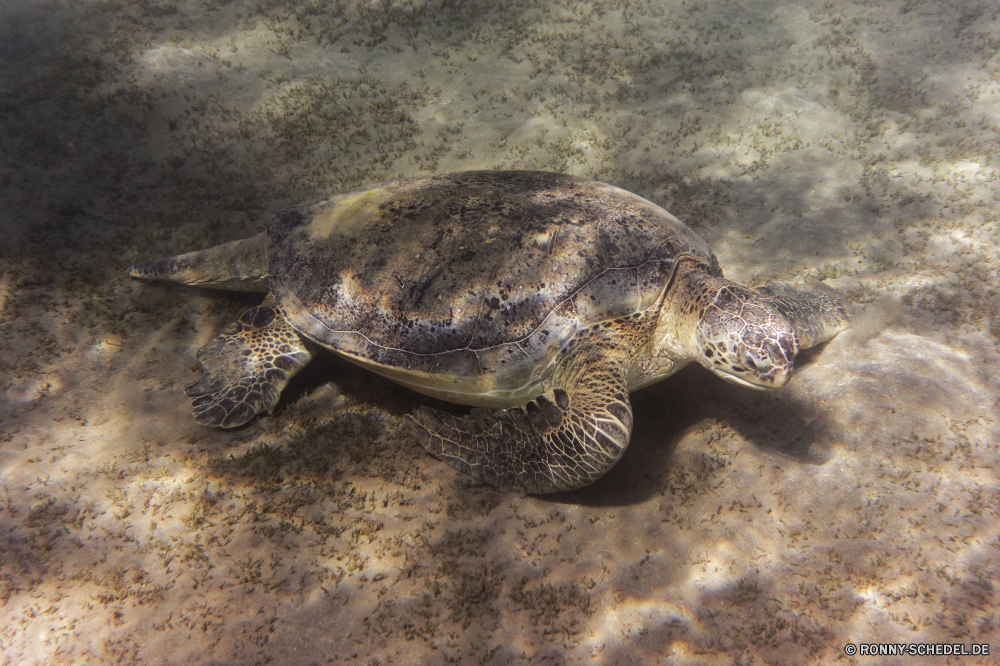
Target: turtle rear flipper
{"points": [[246, 368], [566, 438], [238, 265], [815, 311]]}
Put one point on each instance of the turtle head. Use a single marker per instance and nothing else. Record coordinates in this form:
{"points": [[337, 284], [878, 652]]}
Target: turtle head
{"points": [[744, 340]]}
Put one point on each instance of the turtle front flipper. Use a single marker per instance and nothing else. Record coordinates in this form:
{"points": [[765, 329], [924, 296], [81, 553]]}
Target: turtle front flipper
{"points": [[815, 312], [565, 438], [246, 367]]}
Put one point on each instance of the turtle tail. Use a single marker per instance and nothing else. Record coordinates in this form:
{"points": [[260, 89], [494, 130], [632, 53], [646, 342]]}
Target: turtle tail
{"points": [[239, 266]]}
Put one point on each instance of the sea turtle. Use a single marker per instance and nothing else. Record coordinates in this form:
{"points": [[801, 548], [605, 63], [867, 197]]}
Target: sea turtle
{"points": [[541, 297]]}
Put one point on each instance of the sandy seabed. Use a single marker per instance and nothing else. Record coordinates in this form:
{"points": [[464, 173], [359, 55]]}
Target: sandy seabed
{"points": [[850, 142]]}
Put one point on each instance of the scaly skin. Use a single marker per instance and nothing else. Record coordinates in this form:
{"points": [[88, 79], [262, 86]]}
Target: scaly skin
{"points": [[246, 367]]}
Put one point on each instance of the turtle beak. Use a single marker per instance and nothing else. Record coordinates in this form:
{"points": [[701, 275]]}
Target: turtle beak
{"points": [[762, 382], [775, 379]]}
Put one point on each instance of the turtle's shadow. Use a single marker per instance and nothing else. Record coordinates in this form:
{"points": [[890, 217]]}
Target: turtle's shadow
{"points": [[663, 413]]}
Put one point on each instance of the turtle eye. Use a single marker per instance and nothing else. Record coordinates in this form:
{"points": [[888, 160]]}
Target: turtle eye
{"points": [[759, 363]]}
